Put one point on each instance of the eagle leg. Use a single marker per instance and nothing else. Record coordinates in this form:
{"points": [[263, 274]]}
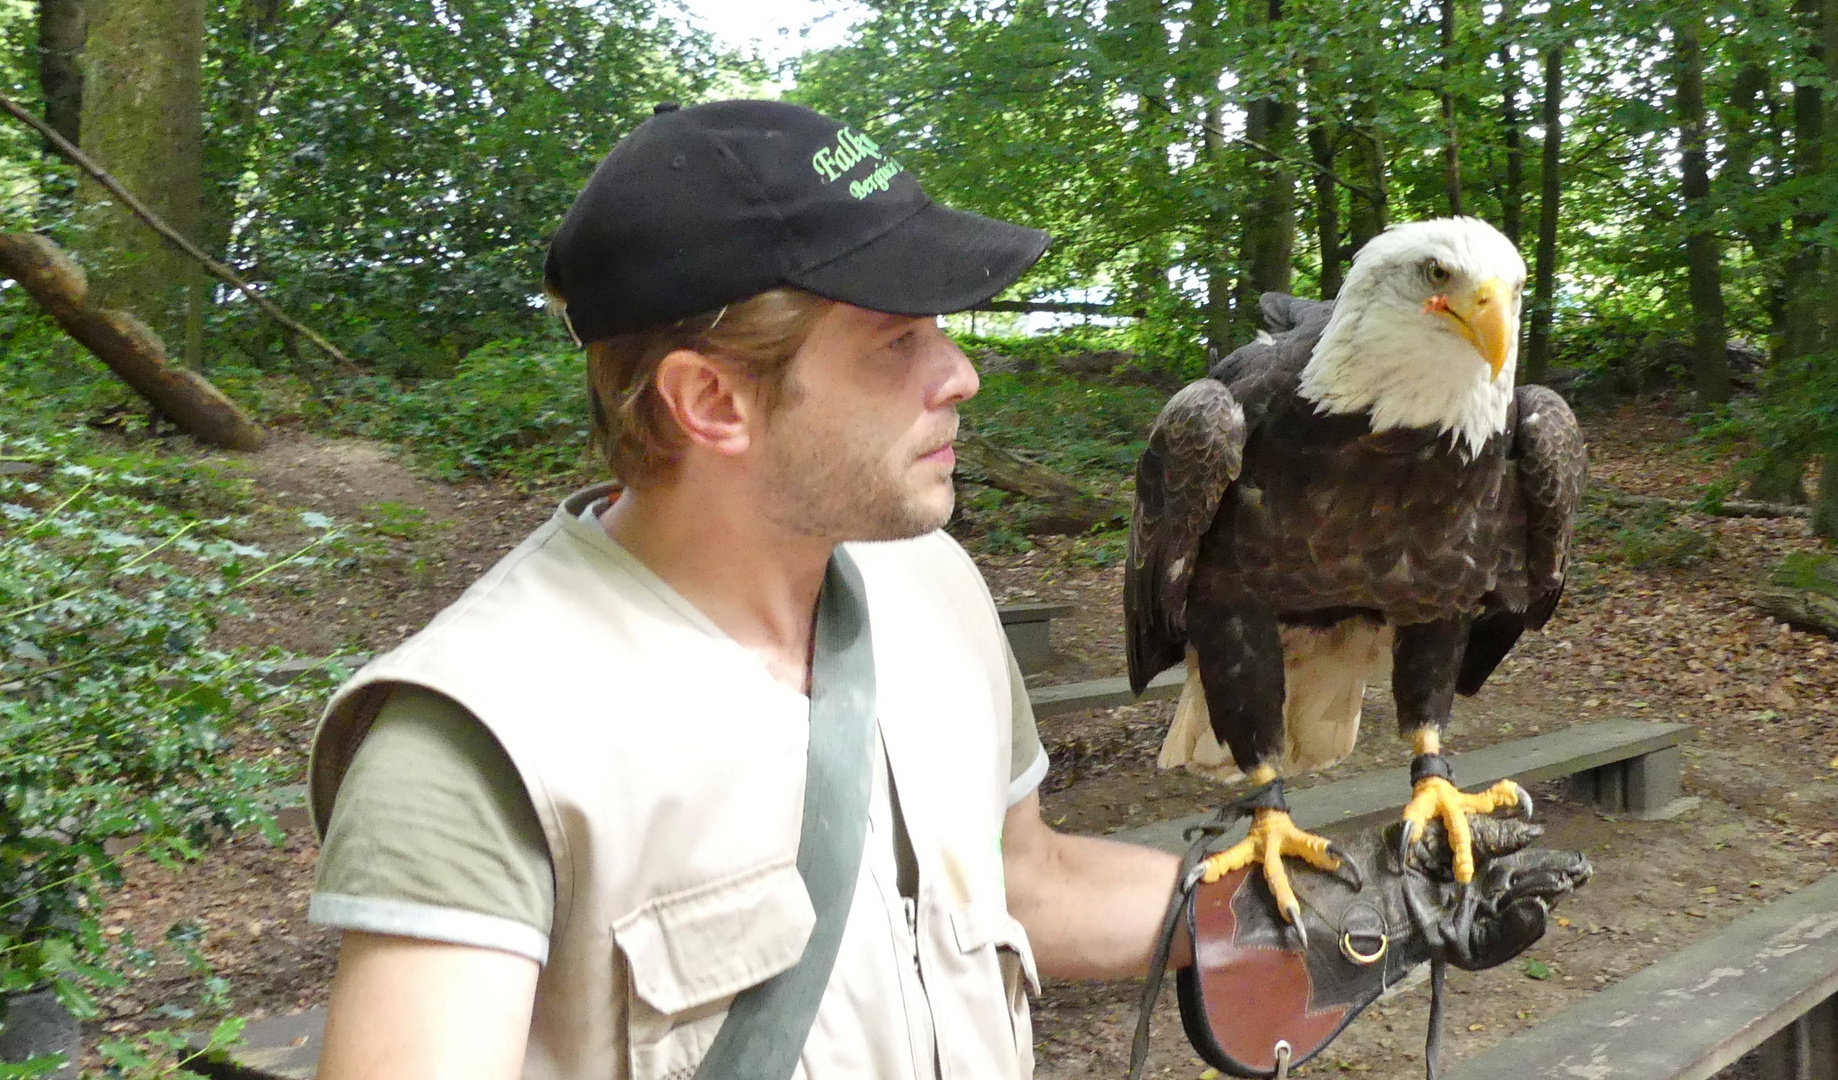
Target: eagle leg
{"points": [[1434, 794], [1426, 658], [1271, 837]]}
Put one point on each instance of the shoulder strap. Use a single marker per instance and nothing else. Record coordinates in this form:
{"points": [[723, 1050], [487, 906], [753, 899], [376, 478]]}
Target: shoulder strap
{"points": [[766, 1026]]}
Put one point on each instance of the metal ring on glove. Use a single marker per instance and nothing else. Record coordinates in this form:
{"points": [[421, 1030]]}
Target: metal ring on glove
{"points": [[1283, 1051], [1348, 950]]}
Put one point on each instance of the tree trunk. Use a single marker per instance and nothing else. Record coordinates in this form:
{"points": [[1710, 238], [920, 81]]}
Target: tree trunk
{"points": [[1703, 259], [1270, 226], [1451, 146], [1217, 228], [1800, 330], [1366, 209], [125, 344], [1742, 121], [1327, 195], [1825, 504], [1512, 195], [60, 64], [143, 122], [1538, 345], [1780, 479]]}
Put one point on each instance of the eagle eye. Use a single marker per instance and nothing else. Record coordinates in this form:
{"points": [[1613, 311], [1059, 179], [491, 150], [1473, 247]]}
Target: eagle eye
{"points": [[1435, 273]]}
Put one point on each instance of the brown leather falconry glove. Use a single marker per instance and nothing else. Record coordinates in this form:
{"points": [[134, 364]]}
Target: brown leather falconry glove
{"points": [[1263, 996]]}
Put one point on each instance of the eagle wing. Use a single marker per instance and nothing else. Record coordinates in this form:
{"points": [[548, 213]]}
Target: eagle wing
{"points": [[1551, 466], [1283, 312], [1195, 451]]}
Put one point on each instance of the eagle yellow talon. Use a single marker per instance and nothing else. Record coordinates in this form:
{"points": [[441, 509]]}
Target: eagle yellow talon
{"points": [[1273, 835], [1436, 797]]}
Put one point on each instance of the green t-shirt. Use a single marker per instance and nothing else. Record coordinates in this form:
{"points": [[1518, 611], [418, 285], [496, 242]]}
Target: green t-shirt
{"points": [[433, 835]]}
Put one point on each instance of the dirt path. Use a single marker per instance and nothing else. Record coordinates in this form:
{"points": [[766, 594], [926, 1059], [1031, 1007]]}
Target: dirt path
{"points": [[1667, 643]]}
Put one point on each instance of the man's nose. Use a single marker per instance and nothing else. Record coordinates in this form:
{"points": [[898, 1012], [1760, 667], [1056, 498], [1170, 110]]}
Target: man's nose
{"points": [[960, 380]]}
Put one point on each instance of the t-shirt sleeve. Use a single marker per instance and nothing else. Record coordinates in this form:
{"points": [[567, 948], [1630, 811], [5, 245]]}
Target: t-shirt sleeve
{"points": [[433, 836], [1028, 756]]}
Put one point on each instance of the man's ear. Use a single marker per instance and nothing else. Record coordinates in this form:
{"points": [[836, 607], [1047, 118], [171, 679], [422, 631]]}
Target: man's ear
{"points": [[711, 401]]}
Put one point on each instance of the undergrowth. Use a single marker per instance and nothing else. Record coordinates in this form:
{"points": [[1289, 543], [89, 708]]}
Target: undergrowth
{"points": [[117, 718], [1087, 430], [512, 410], [1647, 538]]}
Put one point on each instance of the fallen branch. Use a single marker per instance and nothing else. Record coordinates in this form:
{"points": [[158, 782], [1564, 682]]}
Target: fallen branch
{"points": [[1067, 506], [172, 236], [1730, 508], [126, 345]]}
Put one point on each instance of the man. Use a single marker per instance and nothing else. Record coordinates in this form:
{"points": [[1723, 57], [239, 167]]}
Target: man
{"points": [[560, 823]]}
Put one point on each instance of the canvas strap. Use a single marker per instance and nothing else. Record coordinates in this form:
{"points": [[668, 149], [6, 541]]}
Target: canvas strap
{"points": [[766, 1026]]}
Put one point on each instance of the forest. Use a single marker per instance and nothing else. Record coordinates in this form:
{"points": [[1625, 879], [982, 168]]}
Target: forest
{"points": [[246, 243]]}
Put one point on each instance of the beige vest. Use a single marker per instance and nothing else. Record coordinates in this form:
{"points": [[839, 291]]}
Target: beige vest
{"points": [[667, 769]]}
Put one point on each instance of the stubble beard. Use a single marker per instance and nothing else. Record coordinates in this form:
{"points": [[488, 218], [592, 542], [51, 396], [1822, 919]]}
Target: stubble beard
{"points": [[830, 489]]}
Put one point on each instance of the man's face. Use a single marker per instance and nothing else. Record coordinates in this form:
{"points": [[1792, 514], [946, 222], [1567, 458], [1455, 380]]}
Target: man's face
{"points": [[860, 446]]}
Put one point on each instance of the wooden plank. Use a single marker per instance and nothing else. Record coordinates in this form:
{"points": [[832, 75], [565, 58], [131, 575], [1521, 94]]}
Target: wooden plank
{"points": [[1103, 693], [1694, 1013], [279, 1048], [1027, 613], [1374, 798]]}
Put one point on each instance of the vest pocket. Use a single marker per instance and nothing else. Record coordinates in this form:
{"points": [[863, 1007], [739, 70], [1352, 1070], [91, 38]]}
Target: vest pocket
{"points": [[689, 952], [996, 971]]}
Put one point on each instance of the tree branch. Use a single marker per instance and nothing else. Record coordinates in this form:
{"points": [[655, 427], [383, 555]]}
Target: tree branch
{"points": [[173, 237]]}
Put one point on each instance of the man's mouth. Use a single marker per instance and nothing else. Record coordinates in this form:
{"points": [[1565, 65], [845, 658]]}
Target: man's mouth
{"points": [[944, 455]]}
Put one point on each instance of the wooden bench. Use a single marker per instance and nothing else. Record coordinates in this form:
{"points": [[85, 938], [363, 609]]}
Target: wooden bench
{"points": [[1027, 627], [1375, 798], [278, 1048], [1767, 980], [1103, 693]]}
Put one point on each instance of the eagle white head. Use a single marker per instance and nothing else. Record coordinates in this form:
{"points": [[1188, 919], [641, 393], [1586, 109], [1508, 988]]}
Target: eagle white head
{"points": [[1425, 332]]}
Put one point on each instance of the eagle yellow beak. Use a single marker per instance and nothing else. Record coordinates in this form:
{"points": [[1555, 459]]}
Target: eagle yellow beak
{"points": [[1485, 316]]}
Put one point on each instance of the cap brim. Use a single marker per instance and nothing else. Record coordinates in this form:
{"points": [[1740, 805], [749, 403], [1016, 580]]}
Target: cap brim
{"points": [[936, 261]]}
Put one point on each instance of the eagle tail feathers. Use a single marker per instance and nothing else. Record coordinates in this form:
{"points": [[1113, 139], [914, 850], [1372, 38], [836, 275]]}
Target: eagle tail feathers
{"points": [[1190, 741], [1325, 674]]}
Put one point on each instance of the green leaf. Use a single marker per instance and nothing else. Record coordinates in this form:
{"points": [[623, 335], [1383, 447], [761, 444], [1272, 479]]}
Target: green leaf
{"points": [[1536, 969]]}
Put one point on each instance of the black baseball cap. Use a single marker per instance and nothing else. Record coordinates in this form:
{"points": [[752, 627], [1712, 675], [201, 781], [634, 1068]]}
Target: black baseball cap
{"points": [[708, 205]]}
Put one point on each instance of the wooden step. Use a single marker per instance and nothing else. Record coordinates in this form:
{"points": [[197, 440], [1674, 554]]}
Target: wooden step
{"points": [[1768, 978], [1624, 748]]}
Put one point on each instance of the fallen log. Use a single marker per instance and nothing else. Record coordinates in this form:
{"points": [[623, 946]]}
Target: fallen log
{"points": [[126, 345], [1729, 508], [1802, 609], [1803, 593], [1066, 506]]}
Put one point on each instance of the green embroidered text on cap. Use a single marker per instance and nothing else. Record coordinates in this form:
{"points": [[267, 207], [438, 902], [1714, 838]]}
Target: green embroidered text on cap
{"points": [[834, 162]]}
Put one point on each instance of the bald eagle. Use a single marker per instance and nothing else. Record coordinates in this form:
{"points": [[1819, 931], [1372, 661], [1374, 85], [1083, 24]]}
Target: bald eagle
{"points": [[1362, 491]]}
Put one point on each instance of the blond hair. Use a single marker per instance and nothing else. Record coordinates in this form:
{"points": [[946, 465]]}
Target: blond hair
{"points": [[632, 427]]}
